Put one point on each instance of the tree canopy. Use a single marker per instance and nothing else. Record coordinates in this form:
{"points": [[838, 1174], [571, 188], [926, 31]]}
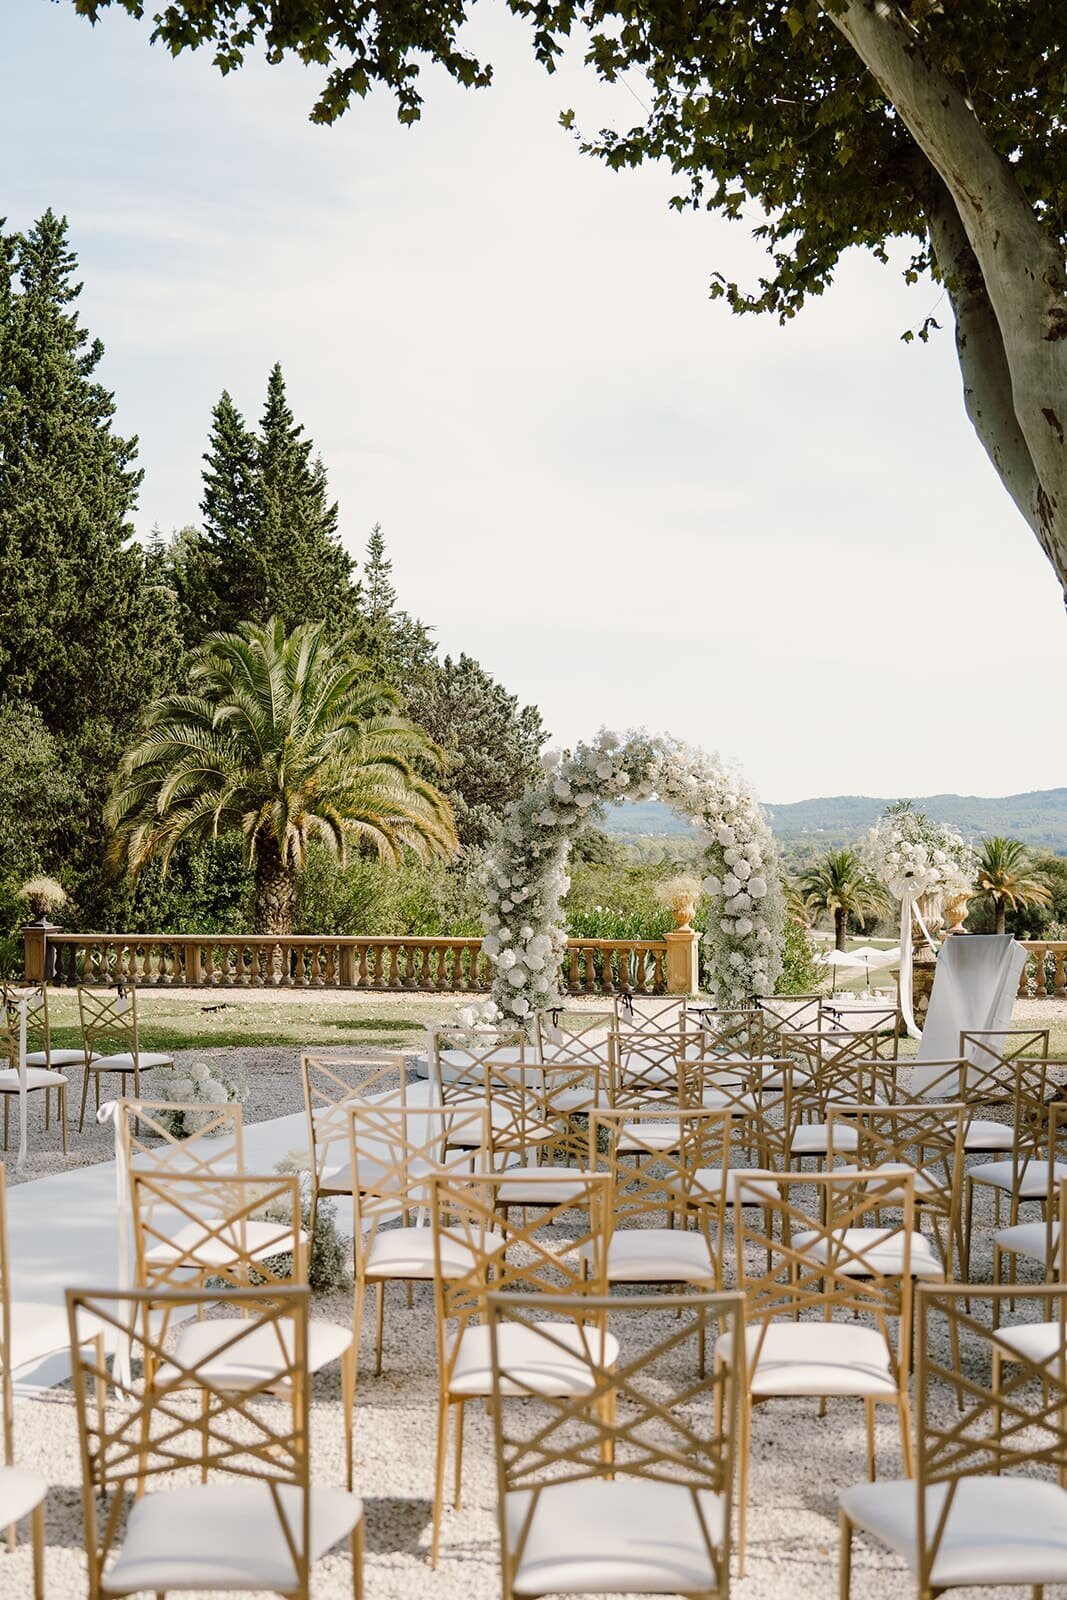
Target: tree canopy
{"points": [[823, 124]]}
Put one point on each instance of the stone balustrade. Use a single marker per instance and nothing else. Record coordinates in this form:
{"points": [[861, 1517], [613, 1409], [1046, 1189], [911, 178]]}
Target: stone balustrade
{"points": [[307, 961]]}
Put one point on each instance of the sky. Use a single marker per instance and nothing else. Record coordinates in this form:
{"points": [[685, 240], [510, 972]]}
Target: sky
{"points": [[637, 510]]}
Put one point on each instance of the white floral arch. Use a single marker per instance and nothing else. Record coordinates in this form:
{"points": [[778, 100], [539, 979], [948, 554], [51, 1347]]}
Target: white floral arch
{"points": [[527, 877]]}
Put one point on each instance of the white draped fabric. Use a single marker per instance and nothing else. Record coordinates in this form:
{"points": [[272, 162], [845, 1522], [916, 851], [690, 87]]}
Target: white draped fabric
{"points": [[975, 984]]}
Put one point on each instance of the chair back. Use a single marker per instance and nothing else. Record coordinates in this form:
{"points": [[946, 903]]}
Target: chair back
{"points": [[231, 1228], [799, 1257], [759, 1097], [38, 1032], [584, 1043], [330, 1083], [109, 1020], [1008, 1417], [394, 1150], [646, 1068], [663, 1162], [729, 1034], [150, 1434], [653, 1015], [214, 1142], [921, 1138], [787, 1013], [644, 1417]]}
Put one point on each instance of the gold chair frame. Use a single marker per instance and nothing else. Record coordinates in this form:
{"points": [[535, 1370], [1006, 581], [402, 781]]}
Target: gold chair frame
{"points": [[111, 1016], [330, 1083]]}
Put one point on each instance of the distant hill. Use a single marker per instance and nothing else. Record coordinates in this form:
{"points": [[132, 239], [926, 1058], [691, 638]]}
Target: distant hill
{"points": [[1039, 818]]}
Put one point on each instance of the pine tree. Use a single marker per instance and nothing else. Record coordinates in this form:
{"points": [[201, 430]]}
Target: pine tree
{"points": [[270, 546]]}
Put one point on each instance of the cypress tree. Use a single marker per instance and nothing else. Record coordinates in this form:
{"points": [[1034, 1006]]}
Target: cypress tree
{"points": [[85, 637], [270, 545]]}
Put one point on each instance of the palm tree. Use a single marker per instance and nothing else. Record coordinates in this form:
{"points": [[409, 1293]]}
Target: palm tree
{"points": [[283, 739], [841, 885], [1003, 868]]}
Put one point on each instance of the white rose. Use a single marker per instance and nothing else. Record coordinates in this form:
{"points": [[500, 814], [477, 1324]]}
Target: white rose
{"points": [[757, 887], [743, 927], [491, 946], [516, 976], [730, 884], [739, 902], [726, 924], [604, 769], [725, 835], [742, 869], [561, 789], [199, 1072], [506, 960], [585, 800], [712, 885], [520, 1005]]}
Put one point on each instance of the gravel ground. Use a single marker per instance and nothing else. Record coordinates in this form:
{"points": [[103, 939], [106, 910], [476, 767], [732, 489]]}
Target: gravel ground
{"points": [[799, 1463]]}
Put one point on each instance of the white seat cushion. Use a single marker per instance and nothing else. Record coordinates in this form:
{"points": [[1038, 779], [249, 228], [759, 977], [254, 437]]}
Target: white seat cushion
{"points": [[1032, 1176], [648, 1135], [532, 1361], [1026, 1239], [124, 1062], [223, 1536], [36, 1078], [57, 1058], [38, 1329], [20, 1492], [1039, 1342], [983, 1135], [813, 1138], [547, 1186], [578, 1099], [658, 1255], [248, 1359], [195, 1242], [408, 1253], [817, 1358], [926, 1182], [597, 1536], [999, 1530], [759, 1186], [879, 1249]]}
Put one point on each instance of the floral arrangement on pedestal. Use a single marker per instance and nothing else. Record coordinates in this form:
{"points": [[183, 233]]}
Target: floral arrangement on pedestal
{"points": [[915, 856], [526, 875]]}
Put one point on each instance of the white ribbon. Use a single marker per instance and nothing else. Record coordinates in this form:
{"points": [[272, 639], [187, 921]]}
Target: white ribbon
{"points": [[108, 1112], [22, 1001], [909, 911]]}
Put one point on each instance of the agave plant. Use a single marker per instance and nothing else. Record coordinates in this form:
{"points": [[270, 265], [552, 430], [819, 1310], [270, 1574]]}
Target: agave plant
{"points": [[283, 738]]}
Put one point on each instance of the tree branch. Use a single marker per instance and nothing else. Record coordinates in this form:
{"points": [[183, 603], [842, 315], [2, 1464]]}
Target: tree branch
{"points": [[1022, 270]]}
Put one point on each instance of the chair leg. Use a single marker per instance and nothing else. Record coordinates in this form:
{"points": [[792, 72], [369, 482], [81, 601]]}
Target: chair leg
{"points": [[457, 1501], [443, 1410], [7, 1101], [744, 1451], [61, 1095], [348, 1401], [37, 1535], [356, 1544], [845, 1560], [86, 1075], [904, 1413], [47, 1109], [380, 1312], [868, 1406]]}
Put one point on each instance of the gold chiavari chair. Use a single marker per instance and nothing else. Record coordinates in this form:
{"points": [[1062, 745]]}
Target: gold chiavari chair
{"points": [[1038, 1241], [455, 1054], [1040, 1342], [622, 1482], [574, 1042], [41, 1077], [536, 1129], [111, 1041], [987, 1506], [803, 1330], [231, 1231], [759, 1105], [650, 1071], [787, 1014], [393, 1152], [1023, 1175], [256, 1523], [919, 1140], [846, 1079], [654, 1016], [562, 1251], [663, 1226], [146, 1139], [330, 1083]]}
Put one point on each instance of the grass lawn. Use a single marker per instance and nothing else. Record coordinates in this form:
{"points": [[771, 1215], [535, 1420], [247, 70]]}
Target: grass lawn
{"points": [[214, 1019]]}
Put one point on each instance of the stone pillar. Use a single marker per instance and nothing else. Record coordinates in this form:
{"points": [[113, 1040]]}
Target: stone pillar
{"points": [[35, 951], [683, 961]]}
